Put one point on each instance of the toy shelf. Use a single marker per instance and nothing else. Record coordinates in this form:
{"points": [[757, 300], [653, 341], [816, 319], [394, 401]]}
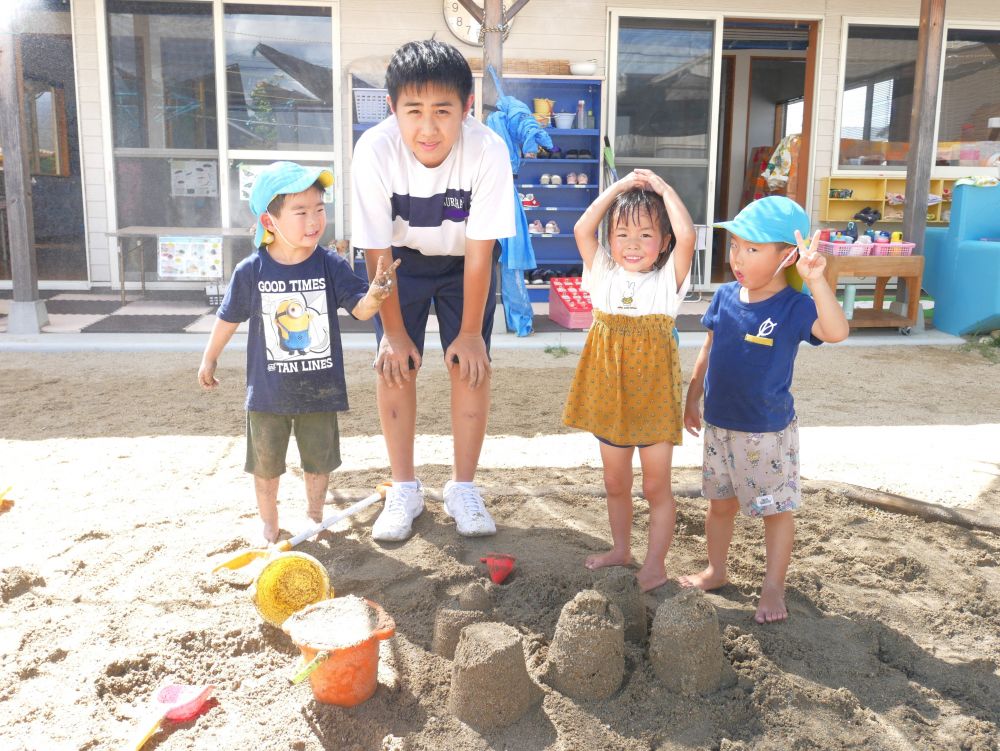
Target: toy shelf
{"points": [[873, 191]]}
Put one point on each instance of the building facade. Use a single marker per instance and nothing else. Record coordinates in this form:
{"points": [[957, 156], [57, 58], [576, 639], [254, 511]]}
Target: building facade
{"points": [[150, 117]]}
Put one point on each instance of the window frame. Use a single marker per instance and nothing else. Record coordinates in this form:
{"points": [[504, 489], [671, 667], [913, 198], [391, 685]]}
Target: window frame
{"points": [[223, 154], [836, 170]]}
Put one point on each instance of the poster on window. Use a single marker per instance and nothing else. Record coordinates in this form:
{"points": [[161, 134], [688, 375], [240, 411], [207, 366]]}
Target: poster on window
{"points": [[189, 257], [193, 177]]}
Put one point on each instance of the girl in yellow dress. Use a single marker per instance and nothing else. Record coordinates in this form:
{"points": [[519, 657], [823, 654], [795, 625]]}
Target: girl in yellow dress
{"points": [[627, 386]]}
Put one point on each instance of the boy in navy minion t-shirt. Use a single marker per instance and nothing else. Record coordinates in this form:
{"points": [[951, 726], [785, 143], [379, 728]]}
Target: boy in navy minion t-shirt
{"points": [[290, 289], [744, 370]]}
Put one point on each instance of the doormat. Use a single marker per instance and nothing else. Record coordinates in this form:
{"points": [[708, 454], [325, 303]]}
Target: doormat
{"points": [[140, 324]]}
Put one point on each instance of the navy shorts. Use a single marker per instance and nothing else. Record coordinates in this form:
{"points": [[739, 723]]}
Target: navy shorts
{"points": [[441, 279], [606, 442]]}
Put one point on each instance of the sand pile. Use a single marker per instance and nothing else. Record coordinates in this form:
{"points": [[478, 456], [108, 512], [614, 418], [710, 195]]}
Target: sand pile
{"points": [[685, 646], [490, 686], [587, 656]]}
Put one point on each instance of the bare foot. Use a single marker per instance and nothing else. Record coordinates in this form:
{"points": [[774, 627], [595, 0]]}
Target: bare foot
{"points": [[706, 580], [611, 558], [652, 577], [271, 532], [771, 608]]}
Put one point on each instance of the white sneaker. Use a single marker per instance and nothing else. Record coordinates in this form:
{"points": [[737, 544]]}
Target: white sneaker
{"points": [[463, 502], [402, 505]]}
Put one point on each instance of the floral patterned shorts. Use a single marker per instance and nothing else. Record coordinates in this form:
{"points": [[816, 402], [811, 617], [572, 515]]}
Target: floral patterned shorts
{"points": [[760, 469]]}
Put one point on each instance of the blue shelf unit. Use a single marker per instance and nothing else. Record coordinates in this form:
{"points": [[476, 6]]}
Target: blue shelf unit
{"points": [[563, 203]]}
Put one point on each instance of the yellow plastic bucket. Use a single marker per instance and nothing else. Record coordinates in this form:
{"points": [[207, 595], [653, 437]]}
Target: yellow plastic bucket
{"points": [[287, 583]]}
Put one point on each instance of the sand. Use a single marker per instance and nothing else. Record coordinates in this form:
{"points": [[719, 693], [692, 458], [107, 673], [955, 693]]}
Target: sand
{"points": [[125, 500]]}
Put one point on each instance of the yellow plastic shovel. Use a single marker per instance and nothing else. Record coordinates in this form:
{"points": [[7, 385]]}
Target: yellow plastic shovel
{"points": [[247, 556]]}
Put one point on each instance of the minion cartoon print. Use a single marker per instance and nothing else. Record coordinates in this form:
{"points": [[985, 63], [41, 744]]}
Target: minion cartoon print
{"points": [[292, 321], [296, 325]]}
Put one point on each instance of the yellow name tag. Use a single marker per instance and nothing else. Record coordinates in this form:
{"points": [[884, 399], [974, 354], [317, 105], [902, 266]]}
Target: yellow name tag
{"points": [[759, 340]]}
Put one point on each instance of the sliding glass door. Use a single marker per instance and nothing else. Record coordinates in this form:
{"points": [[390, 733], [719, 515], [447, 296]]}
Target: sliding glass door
{"points": [[663, 103]]}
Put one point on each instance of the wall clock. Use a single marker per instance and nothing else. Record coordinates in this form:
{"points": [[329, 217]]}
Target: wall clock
{"points": [[461, 23]]}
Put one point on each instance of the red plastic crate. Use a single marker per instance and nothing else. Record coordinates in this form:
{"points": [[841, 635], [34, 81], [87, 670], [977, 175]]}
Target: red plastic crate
{"points": [[569, 305]]}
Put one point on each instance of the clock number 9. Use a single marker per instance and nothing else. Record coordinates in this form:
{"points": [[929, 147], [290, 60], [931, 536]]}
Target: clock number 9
{"points": [[454, 7]]}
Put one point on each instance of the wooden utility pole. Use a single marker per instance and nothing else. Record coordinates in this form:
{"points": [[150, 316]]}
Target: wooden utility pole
{"points": [[493, 17], [27, 312], [920, 159], [492, 52]]}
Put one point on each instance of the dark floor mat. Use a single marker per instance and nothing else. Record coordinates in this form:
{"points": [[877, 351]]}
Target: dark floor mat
{"points": [[82, 307], [140, 324]]}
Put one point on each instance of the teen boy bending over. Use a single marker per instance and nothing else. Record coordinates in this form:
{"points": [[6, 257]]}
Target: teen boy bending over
{"points": [[432, 187], [289, 289]]}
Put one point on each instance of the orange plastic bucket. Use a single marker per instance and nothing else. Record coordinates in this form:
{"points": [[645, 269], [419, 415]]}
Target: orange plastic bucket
{"points": [[345, 674]]}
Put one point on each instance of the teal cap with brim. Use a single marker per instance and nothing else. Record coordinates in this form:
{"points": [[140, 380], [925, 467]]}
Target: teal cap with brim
{"points": [[282, 178], [772, 219]]}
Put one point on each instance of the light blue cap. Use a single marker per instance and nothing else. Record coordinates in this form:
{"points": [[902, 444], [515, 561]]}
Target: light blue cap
{"points": [[772, 219], [282, 178]]}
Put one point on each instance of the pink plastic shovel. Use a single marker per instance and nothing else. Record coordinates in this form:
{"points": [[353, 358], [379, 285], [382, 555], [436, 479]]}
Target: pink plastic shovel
{"points": [[173, 701]]}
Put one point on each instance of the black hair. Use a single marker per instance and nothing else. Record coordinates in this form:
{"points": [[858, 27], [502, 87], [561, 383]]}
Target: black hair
{"points": [[274, 207], [630, 205], [426, 62]]}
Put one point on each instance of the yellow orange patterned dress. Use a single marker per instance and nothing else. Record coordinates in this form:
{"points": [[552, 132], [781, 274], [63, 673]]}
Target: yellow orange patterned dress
{"points": [[627, 386]]}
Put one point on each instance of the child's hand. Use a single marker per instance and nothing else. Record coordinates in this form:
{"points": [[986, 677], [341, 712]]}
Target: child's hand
{"points": [[206, 374], [811, 263], [383, 281], [652, 181], [692, 416], [631, 181]]}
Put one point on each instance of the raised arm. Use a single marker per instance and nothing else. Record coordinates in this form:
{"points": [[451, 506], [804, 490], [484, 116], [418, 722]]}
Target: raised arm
{"points": [[680, 223], [378, 290], [585, 229], [831, 323]]}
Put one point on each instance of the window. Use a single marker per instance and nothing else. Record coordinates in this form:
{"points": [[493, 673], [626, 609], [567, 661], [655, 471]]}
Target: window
{"points": [[878, 92], [279, 77], [969, 125], [164, 123]]}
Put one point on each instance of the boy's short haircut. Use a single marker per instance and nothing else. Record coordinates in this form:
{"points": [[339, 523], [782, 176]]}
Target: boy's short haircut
{"points": [[630, 206], [418, 64], [274, 208]]}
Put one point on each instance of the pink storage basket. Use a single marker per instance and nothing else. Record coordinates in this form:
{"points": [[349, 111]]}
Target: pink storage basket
{"points": [[865, 249]]}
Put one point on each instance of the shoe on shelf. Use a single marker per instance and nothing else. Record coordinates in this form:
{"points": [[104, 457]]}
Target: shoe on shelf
{"points": [[402, 505], [582, 179], [572, 154], [584, 154], [556, 180], [571, 178], [536, 277], [464, 504], [544, 179], [551, 228], [535, 228], [529, 200]]}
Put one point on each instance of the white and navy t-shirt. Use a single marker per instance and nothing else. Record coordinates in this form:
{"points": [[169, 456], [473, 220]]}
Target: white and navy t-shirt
{"points": [[396, 201], [633, 293]]}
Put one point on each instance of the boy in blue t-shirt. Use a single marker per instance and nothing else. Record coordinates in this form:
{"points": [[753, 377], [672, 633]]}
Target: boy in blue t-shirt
{"points": [[744, 370], [289, 290]]}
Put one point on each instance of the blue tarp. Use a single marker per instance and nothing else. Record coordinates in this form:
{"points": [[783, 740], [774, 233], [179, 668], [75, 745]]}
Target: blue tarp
{"points": [[515, 124]]}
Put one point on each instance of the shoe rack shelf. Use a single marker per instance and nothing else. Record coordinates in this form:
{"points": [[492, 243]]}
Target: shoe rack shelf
{"points": [[556, 252], [873, 191]]}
